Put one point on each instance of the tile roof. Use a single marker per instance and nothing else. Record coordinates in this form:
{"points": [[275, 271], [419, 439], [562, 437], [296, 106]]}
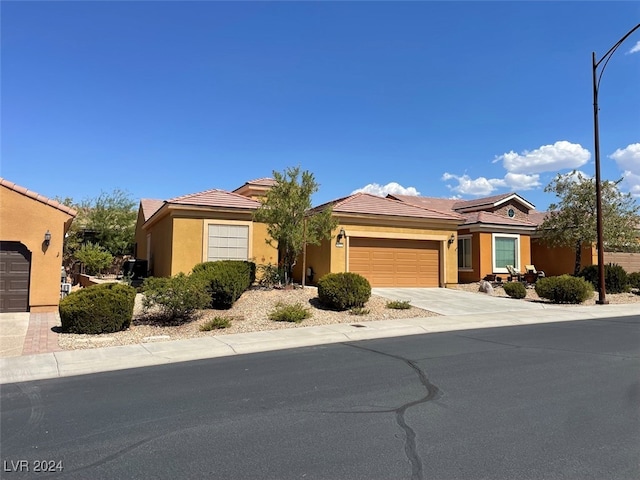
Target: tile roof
{"points": [[483, 202], [150, 206], [258, 182], [537, 217], [267, 182], [439, 204], [494, 219], [36, 196], [216, 198], [366, 203]]}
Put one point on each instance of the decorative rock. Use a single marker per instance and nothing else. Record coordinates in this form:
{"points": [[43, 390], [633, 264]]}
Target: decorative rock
{"points": [[156, 338], [485, 287]]}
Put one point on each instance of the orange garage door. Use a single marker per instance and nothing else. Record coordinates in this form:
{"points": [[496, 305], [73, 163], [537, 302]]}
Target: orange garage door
{"points": [[395, 263]]}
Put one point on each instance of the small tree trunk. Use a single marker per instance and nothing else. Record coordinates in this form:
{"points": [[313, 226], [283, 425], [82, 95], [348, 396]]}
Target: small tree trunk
{"points": [[576, 268]]}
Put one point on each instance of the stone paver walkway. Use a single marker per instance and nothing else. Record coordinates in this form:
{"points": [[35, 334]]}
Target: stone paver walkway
{"points": [[40, 338]]}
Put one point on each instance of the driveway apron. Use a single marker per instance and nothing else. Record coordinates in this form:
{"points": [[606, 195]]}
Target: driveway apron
{"points": [[447, 301]]}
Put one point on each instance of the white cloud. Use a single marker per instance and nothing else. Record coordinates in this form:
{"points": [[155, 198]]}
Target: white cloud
{"points": [[628, 158], [547, 158], [520, 181], [484, 186], [635, 48], [468, 186], [384, 190]]}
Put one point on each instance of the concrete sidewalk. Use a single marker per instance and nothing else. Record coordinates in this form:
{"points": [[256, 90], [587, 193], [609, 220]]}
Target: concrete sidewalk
{"points": [[77, 362]]}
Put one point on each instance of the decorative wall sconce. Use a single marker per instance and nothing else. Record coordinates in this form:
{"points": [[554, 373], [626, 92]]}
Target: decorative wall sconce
{"points": [[339, 239], [452, 239], [47, 238]]}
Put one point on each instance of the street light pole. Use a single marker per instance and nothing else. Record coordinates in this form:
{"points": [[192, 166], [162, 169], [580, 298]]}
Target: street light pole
{"points": [[602, 294]]}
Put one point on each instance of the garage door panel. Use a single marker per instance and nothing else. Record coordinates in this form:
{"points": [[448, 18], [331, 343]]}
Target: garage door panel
{"points": [[390, 262], [15, 266]]}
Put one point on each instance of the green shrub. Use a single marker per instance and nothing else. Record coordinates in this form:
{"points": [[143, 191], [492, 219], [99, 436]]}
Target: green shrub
{"points": [[295, 312], [359, 311], [342, 291], [225, 280], [177, 297], [94, 258], [515, 289], [215, 323], [615, 277], [104, 308], [564, 289], [399, 304], [269, 276], [634, 280]]}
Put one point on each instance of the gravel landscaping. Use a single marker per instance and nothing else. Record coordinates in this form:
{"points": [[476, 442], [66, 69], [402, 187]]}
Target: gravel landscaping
{"points": [[532, 296], [250, 314]]}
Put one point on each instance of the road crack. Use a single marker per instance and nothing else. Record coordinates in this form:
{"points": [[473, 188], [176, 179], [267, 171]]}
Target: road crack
{"points": [[433, 392]]}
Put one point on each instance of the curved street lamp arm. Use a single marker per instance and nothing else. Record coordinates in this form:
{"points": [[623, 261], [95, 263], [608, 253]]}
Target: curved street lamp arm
{"points": [[607, 56]]}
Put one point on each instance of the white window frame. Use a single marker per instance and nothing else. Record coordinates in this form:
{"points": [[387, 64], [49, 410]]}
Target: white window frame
{"points": [[205, 242], [516, 237], [464, 238]]}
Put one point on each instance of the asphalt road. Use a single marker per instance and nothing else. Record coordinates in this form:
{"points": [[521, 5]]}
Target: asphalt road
{"points": [[551, 401]]}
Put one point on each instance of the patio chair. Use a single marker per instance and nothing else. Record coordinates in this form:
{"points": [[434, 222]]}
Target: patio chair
{"points": [[514, 275], [532, 273]]}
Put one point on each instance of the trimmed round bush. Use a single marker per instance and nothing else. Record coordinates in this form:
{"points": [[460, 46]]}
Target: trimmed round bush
{"points": [[342, 291], [225, 280], [515, 289], [634, 280], [615, 277], [178, 297], [564, 289], [104, 308]]}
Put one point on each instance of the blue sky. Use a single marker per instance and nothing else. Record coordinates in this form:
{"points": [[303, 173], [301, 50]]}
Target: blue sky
{"points": [[464, 99]]}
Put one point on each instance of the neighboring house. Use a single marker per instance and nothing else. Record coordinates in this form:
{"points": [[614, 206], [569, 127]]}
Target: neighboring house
{"points": [[174, 235], [389, 242], [32, 230], [496, 232]]}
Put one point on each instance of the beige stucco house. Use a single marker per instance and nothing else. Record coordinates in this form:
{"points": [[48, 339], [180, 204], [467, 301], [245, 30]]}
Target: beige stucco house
{"points": [[390, 242], [496, 232], [32, 230], [176, 234]]}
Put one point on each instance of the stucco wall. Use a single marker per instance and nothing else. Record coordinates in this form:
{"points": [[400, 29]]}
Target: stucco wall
{"points": [[25, 220], [178, 240], [161, 248], [140, 237], [560, 260]]}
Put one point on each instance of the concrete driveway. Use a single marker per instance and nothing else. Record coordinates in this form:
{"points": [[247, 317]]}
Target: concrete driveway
{"points": [[13, 329], [448, 301]]}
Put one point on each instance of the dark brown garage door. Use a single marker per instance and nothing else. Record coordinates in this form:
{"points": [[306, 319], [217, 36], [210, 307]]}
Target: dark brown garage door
{"points": [[15, 262], [396, 263]]}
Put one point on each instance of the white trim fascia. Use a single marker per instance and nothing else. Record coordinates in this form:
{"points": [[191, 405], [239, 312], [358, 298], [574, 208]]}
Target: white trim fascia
{"points": [[499, 228]]}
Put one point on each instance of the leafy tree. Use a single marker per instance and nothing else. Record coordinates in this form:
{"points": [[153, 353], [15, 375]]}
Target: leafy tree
{"points": [[290, 223], [107, 220], [571, 221], [94, 257]]}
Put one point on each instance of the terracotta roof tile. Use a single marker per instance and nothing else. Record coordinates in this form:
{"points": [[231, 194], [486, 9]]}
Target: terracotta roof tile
{"points": [[481, 202], [216, 198], [494, 219], [36, 196], [365, 203], [439, 204], [267, 182], [537, 217], [150, 206]]}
